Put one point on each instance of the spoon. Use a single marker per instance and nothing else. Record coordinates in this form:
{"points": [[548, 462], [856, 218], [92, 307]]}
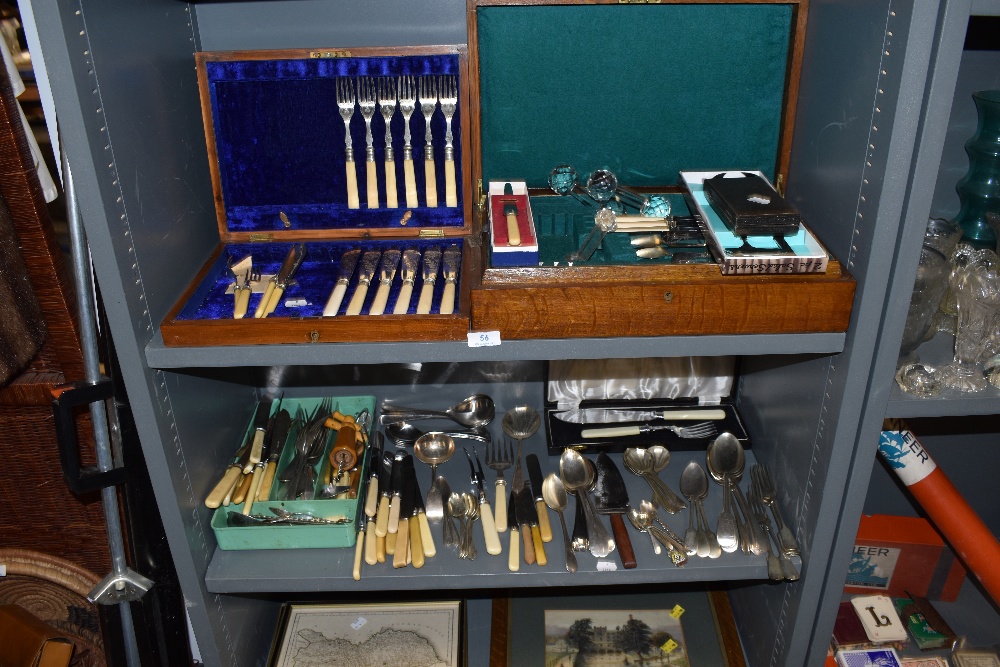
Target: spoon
{"points": [[714, 549], [727, 459], [640, 461], [577, 475], [721, 457], [554, 493], [456, 508], [476, 411], [449, 533], [520, 422], [405, 434], [433, 449], [690, 487], [471, 516], [642, 522]]}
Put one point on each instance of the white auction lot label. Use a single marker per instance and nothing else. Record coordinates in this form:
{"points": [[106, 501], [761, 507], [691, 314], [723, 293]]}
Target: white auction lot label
{"points": [[484, 338]]}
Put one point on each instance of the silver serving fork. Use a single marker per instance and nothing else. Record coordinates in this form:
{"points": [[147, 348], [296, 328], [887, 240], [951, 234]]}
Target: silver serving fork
{"points": [[500, 457], [345, 102], [428, 103], [366, 101], [387, 105], [449, 102], [760, 477], [407, 105], [778, 566]]}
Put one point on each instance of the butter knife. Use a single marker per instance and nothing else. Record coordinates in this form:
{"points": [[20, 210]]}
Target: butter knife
{"points": [[348, 262], [408, 274], [432, 260], [275, 288], [451, 263], [387, 273], [369, 262]]}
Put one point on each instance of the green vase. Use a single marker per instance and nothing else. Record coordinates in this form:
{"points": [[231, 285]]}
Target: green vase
{"points": [[979, 189]]}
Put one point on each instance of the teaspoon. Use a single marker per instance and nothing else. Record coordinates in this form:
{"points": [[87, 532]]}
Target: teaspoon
{"points": [[554, 493]]}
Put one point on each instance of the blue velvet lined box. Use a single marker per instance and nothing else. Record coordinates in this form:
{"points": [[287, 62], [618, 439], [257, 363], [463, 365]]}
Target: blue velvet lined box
{"points": [[282, 173]]}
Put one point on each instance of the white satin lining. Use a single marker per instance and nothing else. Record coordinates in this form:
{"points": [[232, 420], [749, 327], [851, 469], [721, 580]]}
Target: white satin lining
{"points": [[574, 380]]}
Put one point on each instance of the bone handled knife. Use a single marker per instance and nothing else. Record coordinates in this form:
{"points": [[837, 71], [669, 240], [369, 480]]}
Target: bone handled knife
{"points": [[369, 263], [514, 551], [402, 546], [611, 497], [432, 261], [276, 287], [230, 478], [420, 518], [510, 214], [620, 415], [348, 262], [451, 264], [387, 273], [535, 475], [408, 274], [523, 507]]}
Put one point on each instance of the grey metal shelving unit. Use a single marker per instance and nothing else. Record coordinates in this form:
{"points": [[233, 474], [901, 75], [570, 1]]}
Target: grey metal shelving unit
{"points": [[959, 430], [123, 80]]}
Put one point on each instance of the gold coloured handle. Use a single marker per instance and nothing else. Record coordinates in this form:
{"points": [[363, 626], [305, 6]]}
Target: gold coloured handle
{"points": [[536, 539], [544, 527]]}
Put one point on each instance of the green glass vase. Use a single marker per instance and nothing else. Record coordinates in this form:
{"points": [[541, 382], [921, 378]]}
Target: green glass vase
{"points": [[979, 189]]}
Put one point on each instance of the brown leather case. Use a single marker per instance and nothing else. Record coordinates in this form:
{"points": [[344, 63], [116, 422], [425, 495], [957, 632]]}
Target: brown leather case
{"points": [[27, 641]]}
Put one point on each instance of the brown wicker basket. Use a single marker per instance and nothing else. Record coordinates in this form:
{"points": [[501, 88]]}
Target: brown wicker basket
{"points": [[55, 590]]}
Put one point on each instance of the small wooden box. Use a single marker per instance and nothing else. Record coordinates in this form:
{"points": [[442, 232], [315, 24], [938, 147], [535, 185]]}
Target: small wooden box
{"points": [[277, 146], [646, 90]]}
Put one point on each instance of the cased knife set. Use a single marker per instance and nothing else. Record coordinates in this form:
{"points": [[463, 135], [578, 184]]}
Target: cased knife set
{"points": [[342, 188]]}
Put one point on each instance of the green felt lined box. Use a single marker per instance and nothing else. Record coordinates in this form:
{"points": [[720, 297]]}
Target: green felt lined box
{"points": [[300, 536]]}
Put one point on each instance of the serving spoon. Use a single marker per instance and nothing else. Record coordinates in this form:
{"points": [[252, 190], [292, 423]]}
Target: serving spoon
{"points": [[476, 411], [577, 475], [554, 493], [406, 434]]}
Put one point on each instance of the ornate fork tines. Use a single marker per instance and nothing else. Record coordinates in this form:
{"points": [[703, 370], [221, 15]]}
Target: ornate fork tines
{"points": [[345, 102], [387, 105], [428, 95], [449, 103], [366, 101], [407, 105]]}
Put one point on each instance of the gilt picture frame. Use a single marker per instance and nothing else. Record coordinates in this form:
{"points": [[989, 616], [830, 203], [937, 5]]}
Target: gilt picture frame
{"points": [[411, 634], [676, 629]]}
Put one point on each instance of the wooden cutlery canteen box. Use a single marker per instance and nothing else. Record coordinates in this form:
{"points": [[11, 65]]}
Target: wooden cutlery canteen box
{"points": [[367, 231], [645, 90]]}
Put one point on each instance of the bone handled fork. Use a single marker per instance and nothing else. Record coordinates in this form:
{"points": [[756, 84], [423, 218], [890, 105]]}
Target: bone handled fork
{"points": [[387, 104], [428, 103], [366, 100], [449, 102], [407, 105], [345, 102]]}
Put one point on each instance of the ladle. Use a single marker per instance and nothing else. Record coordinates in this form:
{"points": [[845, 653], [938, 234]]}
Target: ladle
{"points": [[520, 422], [434, 449], [476, 411], [577, 475], [554, 493], [405, 434]]}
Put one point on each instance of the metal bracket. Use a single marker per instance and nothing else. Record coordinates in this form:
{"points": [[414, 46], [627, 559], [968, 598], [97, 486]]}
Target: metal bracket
{"points": [[127, 586], [64, 399]]}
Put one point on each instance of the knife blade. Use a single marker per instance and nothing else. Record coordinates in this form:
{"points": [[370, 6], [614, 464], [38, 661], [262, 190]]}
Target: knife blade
{"points": [[277, 439], [620, 415], [420, 514], [402, 546], [387, 273], [513, 553], [369, 263], [375, 465], [522, 501], [275, 288], [408, 275], [432, 260], [535, 475], [611, 497], [451, 265], [348, 262]]}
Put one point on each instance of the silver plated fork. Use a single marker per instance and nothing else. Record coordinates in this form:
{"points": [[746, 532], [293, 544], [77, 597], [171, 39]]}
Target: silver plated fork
{"points": [[407, 105], [366, 101], [449, 103], [779, 566], [760, 476], [499, 457], [345, 102], [387, 105], [428, 104]]}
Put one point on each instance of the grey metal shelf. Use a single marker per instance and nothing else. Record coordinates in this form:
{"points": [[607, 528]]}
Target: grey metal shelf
{"points": [[160, 356]]}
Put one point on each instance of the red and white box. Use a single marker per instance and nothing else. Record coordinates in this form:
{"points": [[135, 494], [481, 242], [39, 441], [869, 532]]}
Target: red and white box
{"points": [[525, 253], [901, 556]]}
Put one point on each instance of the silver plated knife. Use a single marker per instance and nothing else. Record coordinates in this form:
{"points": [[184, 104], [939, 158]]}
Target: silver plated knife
{"points": [[432, 261], [451, 263], [620, 415], [369, 263], [348, 262], [387, 273], [408, 274]]}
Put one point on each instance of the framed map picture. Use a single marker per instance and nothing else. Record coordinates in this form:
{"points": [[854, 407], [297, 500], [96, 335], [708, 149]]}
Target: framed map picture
{"points": [[417, 634]]}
